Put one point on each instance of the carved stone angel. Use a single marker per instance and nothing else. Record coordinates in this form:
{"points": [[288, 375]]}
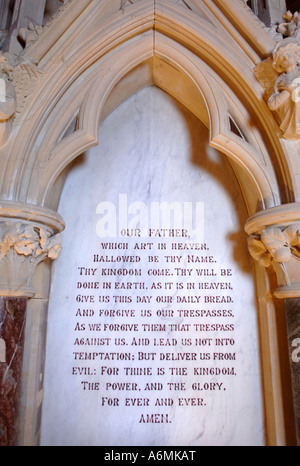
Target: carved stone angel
{"points": [[280, 76], [7, 100], [19, 79]]}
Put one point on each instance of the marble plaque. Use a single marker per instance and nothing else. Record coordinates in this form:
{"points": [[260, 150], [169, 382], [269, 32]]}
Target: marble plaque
{"points": [[153, 328]]}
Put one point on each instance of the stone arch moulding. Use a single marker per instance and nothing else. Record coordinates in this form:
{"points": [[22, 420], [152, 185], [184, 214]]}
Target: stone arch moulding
{"points": [[61, 120], [50, 111], [91, 109], [89, 97]]}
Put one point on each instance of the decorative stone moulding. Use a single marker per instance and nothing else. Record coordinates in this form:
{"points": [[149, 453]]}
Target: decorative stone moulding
{"points": [[274, 240], [25, 241]]}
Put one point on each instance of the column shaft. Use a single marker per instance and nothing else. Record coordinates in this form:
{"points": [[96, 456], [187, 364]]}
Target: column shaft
{"points": [[292, 308], [12, 327]]}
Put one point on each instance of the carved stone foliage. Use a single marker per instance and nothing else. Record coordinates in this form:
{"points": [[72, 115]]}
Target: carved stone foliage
{"points": [[275, 244], [290, 27], [18, 80], [280, 77], [28, 240], [22, 247]]}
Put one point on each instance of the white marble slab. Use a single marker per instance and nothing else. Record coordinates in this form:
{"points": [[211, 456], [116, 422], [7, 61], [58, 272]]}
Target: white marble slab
{"points": [[152, 150]]}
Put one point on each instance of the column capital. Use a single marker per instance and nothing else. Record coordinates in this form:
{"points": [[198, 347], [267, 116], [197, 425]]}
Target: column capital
{"points": [[29, 234], [274, 240]]}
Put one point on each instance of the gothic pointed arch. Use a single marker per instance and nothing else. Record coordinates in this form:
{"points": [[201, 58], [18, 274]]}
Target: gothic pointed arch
{"points": [[85, 73], [92, 56]]}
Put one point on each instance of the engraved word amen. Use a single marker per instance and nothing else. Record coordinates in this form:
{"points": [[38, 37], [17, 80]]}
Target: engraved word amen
{"points": [[138, 216]]}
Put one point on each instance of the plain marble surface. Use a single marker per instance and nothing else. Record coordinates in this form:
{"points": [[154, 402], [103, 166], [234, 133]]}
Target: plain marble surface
{"points": [[152, 150]]}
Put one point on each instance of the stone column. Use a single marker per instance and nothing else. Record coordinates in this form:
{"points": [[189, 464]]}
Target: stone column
{"points": [[28, 236], [292, 309], [275, 242], [12, 324]]}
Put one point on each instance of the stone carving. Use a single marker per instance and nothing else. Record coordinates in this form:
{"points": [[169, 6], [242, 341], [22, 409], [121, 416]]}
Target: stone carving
{"points": [[7, 99], [275, 244], [29, 34], [280, 77], [291, 25], [21, 79], [29, 240], [23, 246]]}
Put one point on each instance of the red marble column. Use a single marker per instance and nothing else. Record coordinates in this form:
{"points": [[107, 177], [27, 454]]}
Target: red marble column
{"points": [[12, 328], [292, 308]]}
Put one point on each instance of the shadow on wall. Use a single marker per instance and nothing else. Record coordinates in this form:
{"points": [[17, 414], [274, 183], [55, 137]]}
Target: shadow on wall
{"points": [[214, 163], [218, 167]]}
